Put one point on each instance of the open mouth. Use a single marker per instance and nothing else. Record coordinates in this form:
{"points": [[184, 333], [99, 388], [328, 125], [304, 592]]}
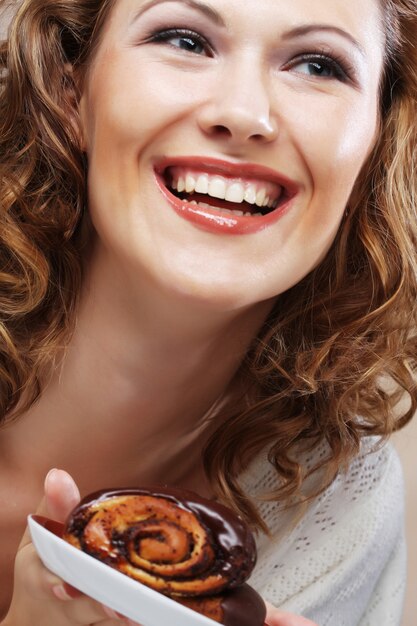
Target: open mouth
{"points": [[233, 196]]}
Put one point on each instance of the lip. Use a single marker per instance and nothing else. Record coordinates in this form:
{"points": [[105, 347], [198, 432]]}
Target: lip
{"points": [[213, 220]]}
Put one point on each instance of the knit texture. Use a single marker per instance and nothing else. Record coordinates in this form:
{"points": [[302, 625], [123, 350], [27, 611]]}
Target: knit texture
{"points": [[344, 562]]}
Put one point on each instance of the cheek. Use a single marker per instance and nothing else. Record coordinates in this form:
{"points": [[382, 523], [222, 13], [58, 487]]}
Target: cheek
{"points": [[333, 144], [339, 154], [333, 152], [355, 137], [133, 101]]}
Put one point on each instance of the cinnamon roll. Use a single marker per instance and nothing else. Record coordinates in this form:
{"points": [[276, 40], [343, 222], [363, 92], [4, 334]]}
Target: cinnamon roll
{"points": [[193, 550]]}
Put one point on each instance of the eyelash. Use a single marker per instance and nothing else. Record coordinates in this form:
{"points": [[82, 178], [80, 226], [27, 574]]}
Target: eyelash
{"points": [[341, 69], [163, 36]]}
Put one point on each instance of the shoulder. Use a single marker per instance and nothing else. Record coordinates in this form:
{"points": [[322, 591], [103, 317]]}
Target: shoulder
{"points": [[335, 551], [373, 479]]}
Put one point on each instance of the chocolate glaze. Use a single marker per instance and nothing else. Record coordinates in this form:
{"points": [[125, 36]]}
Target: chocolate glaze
{"points": [[240, 604], [243, 606], [236, 555]]}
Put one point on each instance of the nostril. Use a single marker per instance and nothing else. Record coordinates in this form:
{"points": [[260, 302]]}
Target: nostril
{"points": [[225, 132], [222, 130]]}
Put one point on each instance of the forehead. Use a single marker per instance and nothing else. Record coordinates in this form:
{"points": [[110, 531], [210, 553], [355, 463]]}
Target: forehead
{"points": [[364, 16]]}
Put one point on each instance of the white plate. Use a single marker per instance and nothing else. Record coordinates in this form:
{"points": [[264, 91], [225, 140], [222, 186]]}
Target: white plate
{"points": [[107, 585]]}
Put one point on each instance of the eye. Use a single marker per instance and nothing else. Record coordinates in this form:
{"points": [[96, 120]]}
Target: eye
{"points": [[183, 39], [320, 66]]}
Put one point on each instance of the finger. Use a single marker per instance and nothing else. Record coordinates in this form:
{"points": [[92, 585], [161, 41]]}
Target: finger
{"points": [[38, 581], [43, 586], [83, 610], [46, 589], [64, 591], [276, 617], [61, 496]]}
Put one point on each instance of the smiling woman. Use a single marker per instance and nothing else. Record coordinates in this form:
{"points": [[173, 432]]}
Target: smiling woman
{"points": [[208, 279]]}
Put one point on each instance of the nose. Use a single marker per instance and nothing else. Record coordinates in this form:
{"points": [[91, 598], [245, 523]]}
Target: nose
{"points": [[239, 108]]}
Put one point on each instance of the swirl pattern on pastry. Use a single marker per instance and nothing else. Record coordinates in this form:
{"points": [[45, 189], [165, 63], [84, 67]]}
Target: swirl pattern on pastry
{"points": [[168, 539]]}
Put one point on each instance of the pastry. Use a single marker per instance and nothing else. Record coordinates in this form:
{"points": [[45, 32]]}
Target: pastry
{"points": [[193, 550]]}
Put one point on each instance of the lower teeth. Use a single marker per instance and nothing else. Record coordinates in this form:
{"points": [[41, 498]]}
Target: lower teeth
{"points": [[203, 205]]}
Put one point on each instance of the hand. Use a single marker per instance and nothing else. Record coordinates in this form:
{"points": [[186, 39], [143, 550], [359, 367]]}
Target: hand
{"points": [[39, 596], [275, 617]]}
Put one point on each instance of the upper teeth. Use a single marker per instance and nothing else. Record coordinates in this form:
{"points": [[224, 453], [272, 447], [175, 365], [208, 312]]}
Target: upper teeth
{"points": [[261, 193]]}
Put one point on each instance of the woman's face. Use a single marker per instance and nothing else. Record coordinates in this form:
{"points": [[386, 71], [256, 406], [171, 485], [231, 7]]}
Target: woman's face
{"points": [[192, 110]]}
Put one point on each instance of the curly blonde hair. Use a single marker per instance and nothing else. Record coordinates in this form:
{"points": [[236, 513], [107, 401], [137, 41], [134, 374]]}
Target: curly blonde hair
{"points": [[318, 369]]}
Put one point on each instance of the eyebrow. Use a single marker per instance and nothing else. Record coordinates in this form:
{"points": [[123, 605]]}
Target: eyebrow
{"points": [[194, 4], [300, 31]]}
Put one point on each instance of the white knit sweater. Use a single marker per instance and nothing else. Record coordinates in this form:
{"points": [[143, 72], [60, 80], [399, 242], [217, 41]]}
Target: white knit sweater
{"points": [[344, 562]]}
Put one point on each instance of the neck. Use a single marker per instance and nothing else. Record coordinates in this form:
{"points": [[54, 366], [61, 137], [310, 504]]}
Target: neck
{"points": [[132, 397]]}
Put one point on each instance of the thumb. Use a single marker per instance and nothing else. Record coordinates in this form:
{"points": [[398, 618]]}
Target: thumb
{"points": [[60, 497]]}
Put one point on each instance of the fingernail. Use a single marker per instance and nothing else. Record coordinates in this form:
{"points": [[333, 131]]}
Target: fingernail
{"points": [[60, 593], [72, 592], [51, 475], [71, 488], [65, 483]]}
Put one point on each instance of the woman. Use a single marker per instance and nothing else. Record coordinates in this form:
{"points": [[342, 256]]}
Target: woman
{"points": [[208, 277]]}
